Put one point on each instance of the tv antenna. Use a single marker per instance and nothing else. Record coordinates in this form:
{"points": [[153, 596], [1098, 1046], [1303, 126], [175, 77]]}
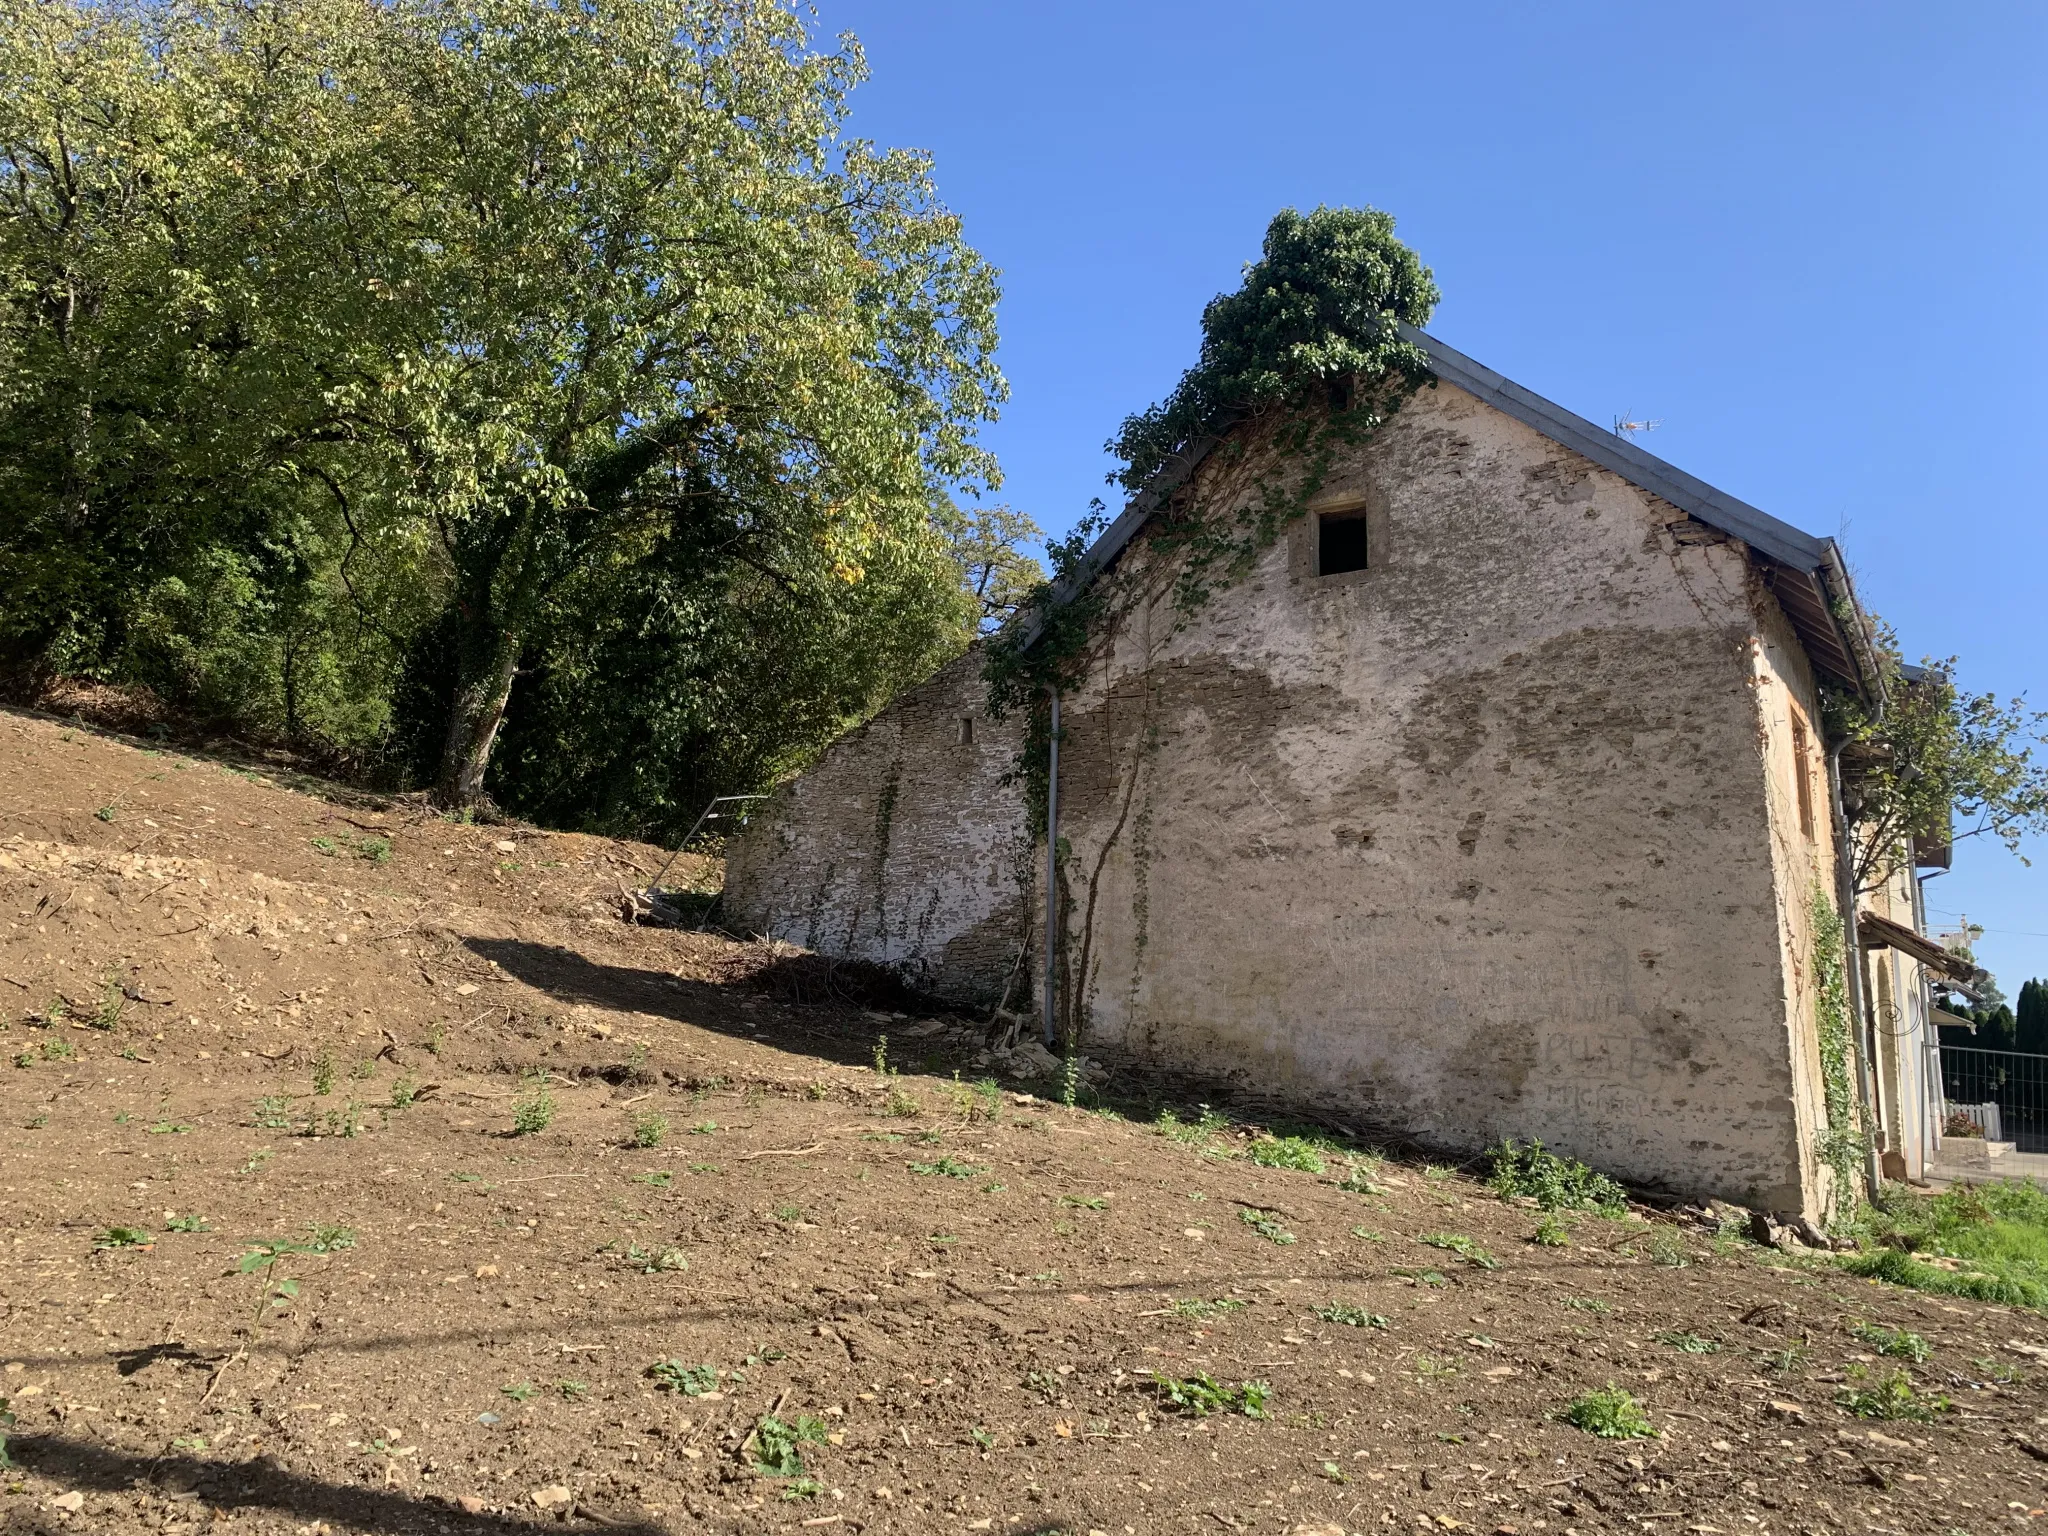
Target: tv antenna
{"points": [[1624, 426]]}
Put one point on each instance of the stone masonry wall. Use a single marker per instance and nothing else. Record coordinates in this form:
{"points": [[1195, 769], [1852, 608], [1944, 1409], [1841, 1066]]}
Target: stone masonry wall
{"points": [[902, 846]]}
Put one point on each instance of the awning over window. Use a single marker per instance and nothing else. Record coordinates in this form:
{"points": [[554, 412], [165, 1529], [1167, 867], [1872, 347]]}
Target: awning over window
{"points": [[1876, 932]]}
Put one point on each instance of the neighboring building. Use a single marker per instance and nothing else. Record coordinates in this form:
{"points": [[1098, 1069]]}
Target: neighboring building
{"points": [[1492, 802]]}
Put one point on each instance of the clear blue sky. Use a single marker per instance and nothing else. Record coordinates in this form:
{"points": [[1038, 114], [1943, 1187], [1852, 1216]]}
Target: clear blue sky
{"points": [[1812, 239]]}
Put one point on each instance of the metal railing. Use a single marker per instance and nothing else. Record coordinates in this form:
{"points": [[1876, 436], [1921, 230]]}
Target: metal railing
{"points": [[2005, 1093]]}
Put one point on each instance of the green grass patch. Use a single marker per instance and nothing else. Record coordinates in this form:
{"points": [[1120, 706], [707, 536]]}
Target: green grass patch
{"points": [[1994, 1237], [1293, 1152]]}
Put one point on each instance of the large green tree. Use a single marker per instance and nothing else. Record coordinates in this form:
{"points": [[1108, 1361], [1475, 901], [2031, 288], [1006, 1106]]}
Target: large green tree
{"points": [[337, 313]]}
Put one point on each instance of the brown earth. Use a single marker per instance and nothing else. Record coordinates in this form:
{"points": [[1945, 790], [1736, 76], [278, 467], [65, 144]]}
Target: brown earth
{"points": [[969, 1294]]}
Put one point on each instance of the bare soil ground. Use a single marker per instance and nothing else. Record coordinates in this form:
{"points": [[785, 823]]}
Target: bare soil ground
{"points": [[965, 1298]]}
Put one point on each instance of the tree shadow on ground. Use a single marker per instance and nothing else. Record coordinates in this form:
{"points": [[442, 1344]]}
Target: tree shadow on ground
{"points": [[825, 1005], [262, 1484]]}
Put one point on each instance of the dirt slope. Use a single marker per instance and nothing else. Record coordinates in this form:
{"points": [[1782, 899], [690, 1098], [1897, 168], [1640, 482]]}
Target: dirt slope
{"points": [[965, 1298]]}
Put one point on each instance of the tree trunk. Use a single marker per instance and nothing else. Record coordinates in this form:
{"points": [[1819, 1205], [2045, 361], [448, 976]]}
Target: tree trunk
{"points": [[483, 683]]}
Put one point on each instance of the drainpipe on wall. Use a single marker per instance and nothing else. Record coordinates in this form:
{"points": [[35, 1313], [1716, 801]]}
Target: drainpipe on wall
{"points": [[1845, 895], [1052, 899]]}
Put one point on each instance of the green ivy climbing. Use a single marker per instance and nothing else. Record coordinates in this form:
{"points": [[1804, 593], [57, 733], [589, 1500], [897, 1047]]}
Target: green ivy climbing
{"points": [[1842, 1142]]}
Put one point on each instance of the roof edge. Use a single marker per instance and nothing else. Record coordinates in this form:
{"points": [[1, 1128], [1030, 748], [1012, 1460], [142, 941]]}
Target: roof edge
{"points": [[1819, 560]]}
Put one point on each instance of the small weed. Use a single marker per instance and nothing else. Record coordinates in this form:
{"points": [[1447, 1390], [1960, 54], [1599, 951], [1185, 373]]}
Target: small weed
{"points": [[690, 1380], [1689, 1343], [816, 1091], [1195, 1307], [1201, 1395], [170, 1127], [1429, 1277], [993, 1188], [1070, 1080], [1668, 1252], [1437, 1367], [1610, 1414], [776, 1446], [1553, 1231], [6, 1423], [649, 1128], [709, 1168], [1586, 1304], [519, 1393], [437, 1036], [190, 1223], [902, 1105], [1463, 1247], [982, 1438], [1287, 1152], [705, 1128], [1367, 1235], [257, 1160], [1047, 1387], [1553, 1182], [122, 1237], [1085, 1202], [946, 1168], [1896, 1342], [1267, 1225], [660, 1179], [1192, 1133], [1361, 1174], [534, 1110], [664, 1261], [113, 999], [882, 1057], [363, 1070], [1437, 1173], [36, 1122], [106, 813], [323, 1073], [1350, 1317], [572, 1391], [405, 1092], [1789, 1361], [1893, 1397], [789, 1213], [273, 1112], [58, 1050]]}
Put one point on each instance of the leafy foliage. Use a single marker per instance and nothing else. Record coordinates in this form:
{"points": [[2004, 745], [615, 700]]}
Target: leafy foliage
{"points": [[1553, 1182], [1268, 1225], [690, 1380], [1610, 1414], [1934, 754], [1350, 1316], [364, 368], [1201, 1395], [1287, 1152], [1891, 1397], [777, 1445]]}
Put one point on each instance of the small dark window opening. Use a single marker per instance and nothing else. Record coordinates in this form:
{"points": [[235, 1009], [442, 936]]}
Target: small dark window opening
{"points": [[1802, 780], [967, 730], [1340, 543]]}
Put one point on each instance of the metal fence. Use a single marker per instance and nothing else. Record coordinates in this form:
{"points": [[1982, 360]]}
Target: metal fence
{"points": [[2004, 1092]]}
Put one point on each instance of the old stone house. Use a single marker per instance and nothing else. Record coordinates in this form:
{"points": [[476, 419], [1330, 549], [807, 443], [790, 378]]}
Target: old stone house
{"points": [[1492, 802]]}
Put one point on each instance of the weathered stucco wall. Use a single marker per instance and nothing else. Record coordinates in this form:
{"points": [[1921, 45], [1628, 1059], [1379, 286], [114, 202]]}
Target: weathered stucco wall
{"points": [[902, 846], [1489, 839], [1802, 852], [1474, 843]]}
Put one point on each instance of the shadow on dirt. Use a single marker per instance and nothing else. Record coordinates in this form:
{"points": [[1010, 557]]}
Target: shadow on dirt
{"points": [[837, 995], [261, 1484]]}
